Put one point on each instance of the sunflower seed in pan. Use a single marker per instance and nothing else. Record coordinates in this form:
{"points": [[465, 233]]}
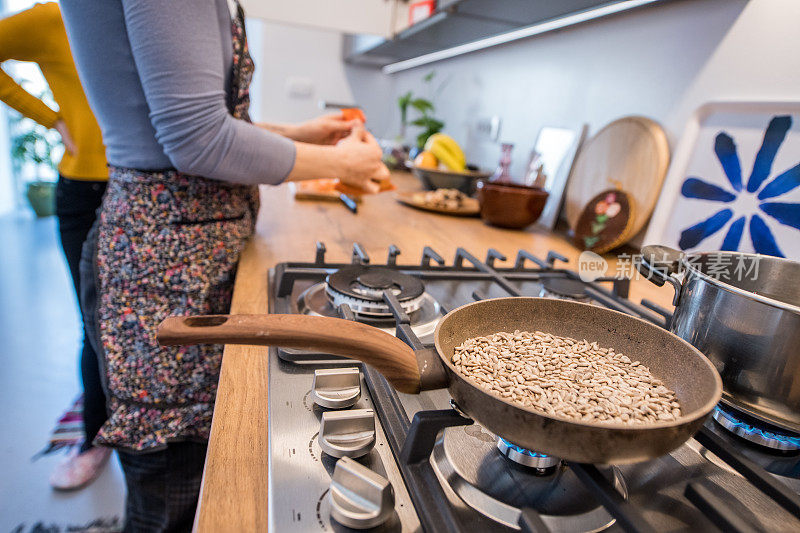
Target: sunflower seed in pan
{"points": [[566, 377]]}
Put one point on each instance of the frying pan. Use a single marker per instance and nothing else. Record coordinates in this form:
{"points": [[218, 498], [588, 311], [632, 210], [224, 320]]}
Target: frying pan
{"points": [[677, 363]]}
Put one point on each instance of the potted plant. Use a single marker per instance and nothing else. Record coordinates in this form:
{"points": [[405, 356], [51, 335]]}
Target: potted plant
{"points": [[398, 151], [424, 108], [34, 154]]}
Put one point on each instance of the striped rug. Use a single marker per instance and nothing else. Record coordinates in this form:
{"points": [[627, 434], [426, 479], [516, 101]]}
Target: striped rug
{"points": [[68, 431]]}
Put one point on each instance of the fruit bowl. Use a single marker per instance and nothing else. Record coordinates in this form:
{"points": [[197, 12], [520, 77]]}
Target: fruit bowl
{"points": [[433, 178], [442, 165]]}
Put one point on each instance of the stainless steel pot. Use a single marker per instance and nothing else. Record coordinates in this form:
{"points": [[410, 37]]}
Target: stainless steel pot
{"points": [[743, 312]]}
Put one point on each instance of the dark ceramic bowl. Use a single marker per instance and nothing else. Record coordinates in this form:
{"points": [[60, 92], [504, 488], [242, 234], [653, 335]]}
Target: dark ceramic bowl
{"points": [[465, 182], [510, 206]]}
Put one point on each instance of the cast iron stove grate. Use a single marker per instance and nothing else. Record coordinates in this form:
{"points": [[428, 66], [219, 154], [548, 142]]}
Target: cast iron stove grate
{"points": [[413, 441]]}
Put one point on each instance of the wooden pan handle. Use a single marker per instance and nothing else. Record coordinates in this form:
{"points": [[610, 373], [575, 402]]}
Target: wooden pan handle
{"points": [[390, 356]]}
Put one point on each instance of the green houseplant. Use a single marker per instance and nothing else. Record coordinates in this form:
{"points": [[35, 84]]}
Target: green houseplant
{"points": [[34, 149], [425, 108]]}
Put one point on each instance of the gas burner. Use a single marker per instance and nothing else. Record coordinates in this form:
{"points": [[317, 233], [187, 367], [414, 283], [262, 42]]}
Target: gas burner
{"points": [[466, 461], [316, 301], [541, 463], [564, 289], [466, 482], [756, 431], [362, 287]]}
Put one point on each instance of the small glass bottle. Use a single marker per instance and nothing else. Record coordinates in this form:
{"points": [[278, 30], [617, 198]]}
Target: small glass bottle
{"points": [[503, 172], [534, 175]]}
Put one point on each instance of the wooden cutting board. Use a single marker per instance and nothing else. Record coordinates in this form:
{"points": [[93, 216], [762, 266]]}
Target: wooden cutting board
{"points": [[330, 189], [322, 189], [605, 222], [631, 154]]}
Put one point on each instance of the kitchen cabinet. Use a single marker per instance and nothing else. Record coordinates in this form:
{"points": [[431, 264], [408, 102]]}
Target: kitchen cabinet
{"points": [[377, 33], [370, 17], [461, 26]]}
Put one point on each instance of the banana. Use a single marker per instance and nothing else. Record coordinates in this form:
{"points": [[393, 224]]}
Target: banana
{"points": [[451, 146], [446, 157], [449, 142], [447, 150]]}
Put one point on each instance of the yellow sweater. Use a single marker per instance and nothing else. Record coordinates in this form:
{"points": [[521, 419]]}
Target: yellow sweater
{"points": [[38, 35]]}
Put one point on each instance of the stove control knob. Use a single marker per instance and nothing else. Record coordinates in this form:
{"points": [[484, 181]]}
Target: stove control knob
{"points": [[359, 498], [336, 388], [347, 433]]}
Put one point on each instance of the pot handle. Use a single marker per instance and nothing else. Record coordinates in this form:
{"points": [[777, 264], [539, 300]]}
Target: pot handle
{"points": [[389, 355], [659, 265]]}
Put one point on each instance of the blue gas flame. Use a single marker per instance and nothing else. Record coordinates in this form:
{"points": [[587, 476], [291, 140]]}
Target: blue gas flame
{"points": [[523, 451], [752, 430]]}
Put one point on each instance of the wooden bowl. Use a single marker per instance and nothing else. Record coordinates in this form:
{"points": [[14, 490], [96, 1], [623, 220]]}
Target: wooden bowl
{"points": [[508, 205]]}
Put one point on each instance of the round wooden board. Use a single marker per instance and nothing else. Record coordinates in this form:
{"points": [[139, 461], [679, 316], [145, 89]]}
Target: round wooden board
{"points": [[632, 154], [470, 208], [606, 222]]}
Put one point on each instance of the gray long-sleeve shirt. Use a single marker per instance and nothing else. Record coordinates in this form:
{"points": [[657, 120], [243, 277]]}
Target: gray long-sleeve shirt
{"points": [[157, 76]]}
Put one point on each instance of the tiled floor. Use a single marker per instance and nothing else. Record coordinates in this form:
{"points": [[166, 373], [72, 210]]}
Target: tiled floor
{"points": [[39, 336]]}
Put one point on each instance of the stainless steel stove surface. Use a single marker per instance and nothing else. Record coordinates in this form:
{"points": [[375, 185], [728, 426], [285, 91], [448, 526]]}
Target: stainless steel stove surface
{"points": [[449, 474], [300, 473]]}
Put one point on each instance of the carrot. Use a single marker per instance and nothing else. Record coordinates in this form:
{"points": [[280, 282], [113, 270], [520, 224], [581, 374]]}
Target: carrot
{"points": [[385, 185], [354, 113]]}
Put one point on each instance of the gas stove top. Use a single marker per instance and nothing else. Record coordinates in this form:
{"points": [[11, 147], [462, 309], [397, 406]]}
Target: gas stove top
{"points": [[348, 452]]}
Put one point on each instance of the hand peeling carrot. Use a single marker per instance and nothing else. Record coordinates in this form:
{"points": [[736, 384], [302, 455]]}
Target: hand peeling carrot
{"points": [[354, 113]]}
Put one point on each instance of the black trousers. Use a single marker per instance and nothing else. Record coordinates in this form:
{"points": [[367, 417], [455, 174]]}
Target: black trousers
{"points": [[163, 487], [76, 205]]}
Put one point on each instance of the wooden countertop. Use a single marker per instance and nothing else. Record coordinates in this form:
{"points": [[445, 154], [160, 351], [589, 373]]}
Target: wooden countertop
{"points": [[234, 492]]}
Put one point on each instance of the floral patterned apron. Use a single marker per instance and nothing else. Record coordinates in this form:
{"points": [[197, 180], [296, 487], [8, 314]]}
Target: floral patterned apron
{"points": [[168, 244]]}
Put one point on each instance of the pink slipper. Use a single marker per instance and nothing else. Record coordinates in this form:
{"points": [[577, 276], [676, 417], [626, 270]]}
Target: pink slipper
{"points": [[77, 469]]}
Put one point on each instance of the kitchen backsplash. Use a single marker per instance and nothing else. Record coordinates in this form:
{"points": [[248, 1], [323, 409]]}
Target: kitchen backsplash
{"points": [[633, 63]]}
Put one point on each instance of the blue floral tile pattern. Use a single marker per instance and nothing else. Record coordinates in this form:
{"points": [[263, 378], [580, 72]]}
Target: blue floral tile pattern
{"points": [[758, 184]]}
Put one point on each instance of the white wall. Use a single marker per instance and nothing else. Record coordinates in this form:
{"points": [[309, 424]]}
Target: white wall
{"points": [[292, 54], [758, 59], [660, 61]]}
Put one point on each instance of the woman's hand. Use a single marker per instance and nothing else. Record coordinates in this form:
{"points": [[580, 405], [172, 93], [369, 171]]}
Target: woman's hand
{"points": [[360, 158], [327, 129], [66, 138], [355, 160]]}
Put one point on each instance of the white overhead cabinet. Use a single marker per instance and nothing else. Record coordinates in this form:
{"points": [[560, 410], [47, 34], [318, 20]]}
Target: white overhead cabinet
{"points": [[373, 17]]}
